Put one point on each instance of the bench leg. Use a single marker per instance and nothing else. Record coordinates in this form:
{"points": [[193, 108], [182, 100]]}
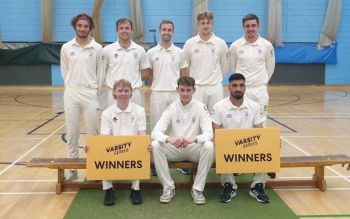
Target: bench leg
{"points": [[319, 178], [60, 181]]}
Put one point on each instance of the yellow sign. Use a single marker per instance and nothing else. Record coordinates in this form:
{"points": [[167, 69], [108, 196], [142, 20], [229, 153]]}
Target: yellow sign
{"points": [[118, 157], [255, 150]]}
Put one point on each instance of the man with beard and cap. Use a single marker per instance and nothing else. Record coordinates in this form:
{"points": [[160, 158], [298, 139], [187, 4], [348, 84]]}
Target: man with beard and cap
{"points": [[82, 72], [254, 57], [238, 112]]}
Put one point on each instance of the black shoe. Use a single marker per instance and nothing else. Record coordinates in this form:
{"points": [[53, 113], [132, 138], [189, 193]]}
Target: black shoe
{"points": [[259, 194], [237, 174], [227, 194], [153, 172], [109, 197], [272, 175], [184, 171], [136, 197]]}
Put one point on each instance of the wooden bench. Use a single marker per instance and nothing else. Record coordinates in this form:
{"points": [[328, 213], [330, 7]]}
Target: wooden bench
{"points": [[318, 179]]}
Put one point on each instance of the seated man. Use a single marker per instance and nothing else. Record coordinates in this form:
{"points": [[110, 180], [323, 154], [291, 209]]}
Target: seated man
{"points": [[123, 118], [237, 112], [190, 140]]}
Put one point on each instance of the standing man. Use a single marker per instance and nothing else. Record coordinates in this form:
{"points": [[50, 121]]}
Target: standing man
{"points": [[123, 118], [207, 57], [254, 57], [167, 64], [124, 59], [238, 112], [82, 72], [190, 140]]}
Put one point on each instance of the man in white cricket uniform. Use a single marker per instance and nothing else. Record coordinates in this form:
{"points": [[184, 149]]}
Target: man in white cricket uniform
{"points": [[190, 140], [167, 64], [254, 57], [236, 112], [207, 58], [123, 118], [82, 72], [124, 59]]}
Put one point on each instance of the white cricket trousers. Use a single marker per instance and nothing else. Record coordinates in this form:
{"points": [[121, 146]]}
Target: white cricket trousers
{"points": [[261, 96], [77, 100], [201, 153], [209, 94], [107, 184], [160, 100], [136, 97], [229, 178]]}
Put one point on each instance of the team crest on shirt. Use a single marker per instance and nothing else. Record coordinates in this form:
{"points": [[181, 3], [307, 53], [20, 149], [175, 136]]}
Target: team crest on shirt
{"points": [[241, 52], [229, 116], [72, 53], [172, 58], [196, 51], [213, 50], [177, 120], [116, 55], [156, 59], [115, 119], [259, 51], [132, 119], [193, 119], [135, 55], [91, 54], [246, 114]]}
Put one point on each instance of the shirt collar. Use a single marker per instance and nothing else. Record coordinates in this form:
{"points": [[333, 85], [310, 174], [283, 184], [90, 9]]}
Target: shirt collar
{"points": [[230, 106], [171, 48], [210, 40], [132, 46], [92, 43], [118, 110], [244, 41]]}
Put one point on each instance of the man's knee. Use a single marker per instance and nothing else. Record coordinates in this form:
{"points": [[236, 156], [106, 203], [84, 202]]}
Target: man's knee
{"points": [[155, 145], [208, 147]]}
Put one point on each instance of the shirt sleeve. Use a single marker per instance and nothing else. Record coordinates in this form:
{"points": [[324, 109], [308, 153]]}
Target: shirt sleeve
{"points": [[183, 62], [105, 64], [100, 68], [216, 115], [158, 132], [270, 59], [106, 128], [233, 58], [144, 63], [258, 115], [149, 56], [141, 122], [64, 63], [224, 58], [187, 53], [206, 126]]}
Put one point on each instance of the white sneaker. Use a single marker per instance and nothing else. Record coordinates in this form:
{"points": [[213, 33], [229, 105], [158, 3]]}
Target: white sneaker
{"points": [[71, 176], [198, 197], [167, 196]]}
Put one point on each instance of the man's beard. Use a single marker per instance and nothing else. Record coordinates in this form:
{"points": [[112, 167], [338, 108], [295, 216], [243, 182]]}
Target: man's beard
{"points": [[237, 96]]}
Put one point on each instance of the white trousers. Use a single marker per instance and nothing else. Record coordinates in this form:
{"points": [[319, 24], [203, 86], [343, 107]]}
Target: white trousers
{"points": [[77, 100], [261, 96], [201, 153], [160, 100], [209, 94], [136, 97], [107, 184], [258, 178]]}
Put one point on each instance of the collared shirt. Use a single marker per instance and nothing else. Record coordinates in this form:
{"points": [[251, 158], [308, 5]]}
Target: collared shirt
{"points": [[208, 60], [130, 121], [231, 117], [190, 120], [256, 61], [82, 66], [166, 65], [123, 63]]}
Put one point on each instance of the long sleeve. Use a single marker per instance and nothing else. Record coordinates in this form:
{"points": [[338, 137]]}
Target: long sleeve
{"points": [[206, 126], [270, 60], [64, 63], [158, 132], [100, 68], [224, 59], [233, 59]]}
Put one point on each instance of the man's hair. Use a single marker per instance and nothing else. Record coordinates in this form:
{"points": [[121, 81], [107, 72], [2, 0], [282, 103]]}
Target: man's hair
{"points": [[186, 81], [236, 77], [205, 15], [82, 16], [250, 17], [166, 22], [122, 83], [123, 20]]}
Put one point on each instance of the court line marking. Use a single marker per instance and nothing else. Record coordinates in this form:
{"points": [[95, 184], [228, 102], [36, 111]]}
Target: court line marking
{"points": [[311, 189], [26, 180], [306, 153], [30, 150], [21, 138], [34, 193]]}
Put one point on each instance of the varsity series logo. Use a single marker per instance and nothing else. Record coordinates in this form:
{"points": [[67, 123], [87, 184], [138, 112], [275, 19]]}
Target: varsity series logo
{"points": [[119, 148], [248, 141]]}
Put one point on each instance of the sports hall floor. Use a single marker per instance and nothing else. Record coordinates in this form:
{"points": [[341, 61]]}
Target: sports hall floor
{"points": [[314, 120]]}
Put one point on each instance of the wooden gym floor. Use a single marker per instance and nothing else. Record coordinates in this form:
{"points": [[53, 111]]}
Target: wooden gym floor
{"points": [[314, 120]]}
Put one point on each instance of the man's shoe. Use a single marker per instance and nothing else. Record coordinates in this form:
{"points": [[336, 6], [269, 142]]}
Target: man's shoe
{"points": [[136, 197], [198, 197], [167, 196], [259, 194], [272, 175], [71, 176], [228, 193], [109, 197], [237, 174], [184, 171]]}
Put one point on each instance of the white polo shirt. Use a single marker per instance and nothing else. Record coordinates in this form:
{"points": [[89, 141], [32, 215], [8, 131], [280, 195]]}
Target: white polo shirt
{"points": [[130, 121], [256, 61], [166, 65], [231, 117], [185, 121], [208, 60], [82, 66], [123, 63]]}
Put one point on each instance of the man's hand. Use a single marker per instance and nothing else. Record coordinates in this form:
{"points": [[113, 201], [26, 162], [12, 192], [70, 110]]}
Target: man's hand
{"points": [[189, 140], [86, 148], [177, 142]]}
